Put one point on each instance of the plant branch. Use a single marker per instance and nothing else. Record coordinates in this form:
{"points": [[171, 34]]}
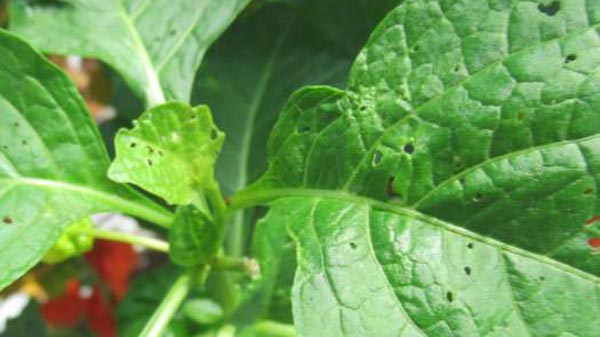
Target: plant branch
{"points": [[151, 243], [247, 265], [168, 307]]}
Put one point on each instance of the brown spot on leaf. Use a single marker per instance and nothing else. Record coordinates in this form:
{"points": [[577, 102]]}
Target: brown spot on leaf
{"points": [[7, 220]]}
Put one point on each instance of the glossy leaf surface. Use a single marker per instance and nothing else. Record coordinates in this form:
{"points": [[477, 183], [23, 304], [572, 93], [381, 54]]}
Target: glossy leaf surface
{"points": [[52, 161]]}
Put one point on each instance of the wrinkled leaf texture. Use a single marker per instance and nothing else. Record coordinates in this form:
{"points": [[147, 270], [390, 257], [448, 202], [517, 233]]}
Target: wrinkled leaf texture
{"points": [[448, 190]]}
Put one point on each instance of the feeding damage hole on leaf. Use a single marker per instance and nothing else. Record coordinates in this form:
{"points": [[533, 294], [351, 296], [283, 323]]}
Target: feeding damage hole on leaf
{"points": [[588, 191], [408, 148], [132, 145], [467, 270], [542, 278], [7, 220], [150, 163], [303, 129], [470, 245], [214, 134], [549, 9], [570, 58], [450, 297], [478, 196], [353, 245]]}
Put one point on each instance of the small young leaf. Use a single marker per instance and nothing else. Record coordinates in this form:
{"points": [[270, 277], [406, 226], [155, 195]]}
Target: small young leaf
{"points": [[203, 311], [170, 152], [155, 45], [52, 161], [193, 238]]}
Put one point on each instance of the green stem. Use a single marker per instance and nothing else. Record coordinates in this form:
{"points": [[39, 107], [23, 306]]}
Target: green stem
{"points": [[216, 199], [168, 307], [151, 243], [243, 264], [273, 328]]}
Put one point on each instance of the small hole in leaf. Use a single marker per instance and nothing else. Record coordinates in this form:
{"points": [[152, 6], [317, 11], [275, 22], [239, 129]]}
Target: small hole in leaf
{"points": [[353, 245], [363, 108], [461, 180], [549, 9], [24, 142], [467, 270], [160, 153], [5, 147], [588, 191], [542, 278], [192, 116], [570, 58], [377, 156], [389, 188], [214, 134], [150, 150], [16, 124], [150, 163], [7, 220], [456, 68], [416, 48], [409, 148], [450, 297], [594, 243], [470, 245], [132, 145], [478, 196], [173, 31]]}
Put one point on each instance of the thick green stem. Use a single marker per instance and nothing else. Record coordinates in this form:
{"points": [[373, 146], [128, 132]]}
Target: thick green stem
{"points": [[168, 307], [243, 264], [151, 243]]}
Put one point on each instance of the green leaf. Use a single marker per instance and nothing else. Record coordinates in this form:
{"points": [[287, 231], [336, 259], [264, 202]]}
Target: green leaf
{"points": [[252, 69], [52, 161], [170, 152], [155, 45], [194, 238], [461, 164], [203, 311]]}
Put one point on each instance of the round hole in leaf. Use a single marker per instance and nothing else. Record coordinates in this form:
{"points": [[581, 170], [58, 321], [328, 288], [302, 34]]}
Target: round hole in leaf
{"points": [[408, 148], [150, 163], [24, 142], [570, 58], [450, 296], [478, 196], [550, 9], [470, 245], [303, 129], [588, 191], [132, 145], [214, 134], [467, 270], [542, 278], [353, 245], [363, 108]]}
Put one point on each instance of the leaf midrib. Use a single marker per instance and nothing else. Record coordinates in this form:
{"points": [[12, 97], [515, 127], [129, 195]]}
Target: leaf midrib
{"points": [[264, 197], [163, 218]]}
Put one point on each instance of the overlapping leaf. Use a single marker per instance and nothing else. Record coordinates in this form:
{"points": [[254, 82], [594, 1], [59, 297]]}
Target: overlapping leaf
{"points": [[465, 125], [52, 161], [156, 46]]}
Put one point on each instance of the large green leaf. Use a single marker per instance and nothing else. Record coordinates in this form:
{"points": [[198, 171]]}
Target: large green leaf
{"points": [[170, 152], [446, 191], [155, 45], [52, 161]]}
